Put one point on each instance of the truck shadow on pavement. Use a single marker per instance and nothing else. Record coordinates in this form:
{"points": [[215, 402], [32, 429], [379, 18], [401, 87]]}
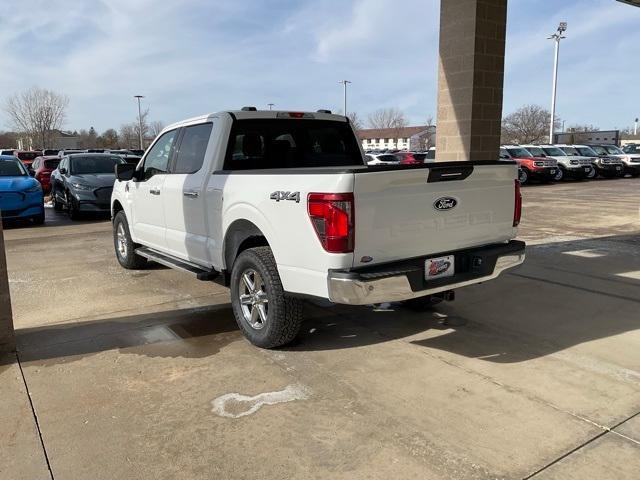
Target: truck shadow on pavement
{"points": [[567, 293], [194, 332]]}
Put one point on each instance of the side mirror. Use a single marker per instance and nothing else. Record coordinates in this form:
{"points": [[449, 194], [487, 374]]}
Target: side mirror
{"points": [[63, 171], [125, 171]]}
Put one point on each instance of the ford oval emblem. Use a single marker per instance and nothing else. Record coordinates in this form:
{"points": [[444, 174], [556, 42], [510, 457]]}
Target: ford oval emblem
{"points": [[445, 203]]}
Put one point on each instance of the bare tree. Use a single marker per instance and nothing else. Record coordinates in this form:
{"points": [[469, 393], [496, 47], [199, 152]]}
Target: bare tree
{"points": [[354, 118], [387, 118], [108, 139], [142, 122], [528, 124], [37, 112], [8, 139], [155, 128], [129, 135]]}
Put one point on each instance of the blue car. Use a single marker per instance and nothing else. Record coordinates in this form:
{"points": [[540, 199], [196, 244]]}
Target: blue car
{"points": [[21, 195]]}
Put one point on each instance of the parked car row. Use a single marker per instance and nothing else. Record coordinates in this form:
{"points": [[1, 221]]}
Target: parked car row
{"points": [[77, 182], [558, 162], [543, 163]]}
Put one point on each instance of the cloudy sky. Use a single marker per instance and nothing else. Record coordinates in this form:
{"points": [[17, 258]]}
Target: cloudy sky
{"points": [[196, 56]]}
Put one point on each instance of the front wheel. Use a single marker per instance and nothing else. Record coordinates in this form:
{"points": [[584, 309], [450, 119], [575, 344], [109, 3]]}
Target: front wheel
{"points": [[559, 175], [267, 316], [72, 207], [124, 246], [57, 206], [39, 219], [592, 174], [523, 176]]}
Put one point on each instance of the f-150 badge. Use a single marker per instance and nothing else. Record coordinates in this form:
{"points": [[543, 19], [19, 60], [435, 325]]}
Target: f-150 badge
{"points": [[280, 195]]}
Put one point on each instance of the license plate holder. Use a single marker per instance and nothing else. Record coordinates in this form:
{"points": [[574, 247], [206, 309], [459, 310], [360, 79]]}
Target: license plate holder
{"points": [[439, 267]]}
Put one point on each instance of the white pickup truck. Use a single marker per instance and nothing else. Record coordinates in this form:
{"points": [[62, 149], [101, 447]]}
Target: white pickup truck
{"points": [[281, 206]]}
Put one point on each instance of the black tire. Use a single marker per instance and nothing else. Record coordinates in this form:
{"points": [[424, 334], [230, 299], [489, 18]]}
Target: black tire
{"points": [[38, 219], [127, 258], [57, 206], [523, 176], [283, 314], [559, 176], [72, 208], [421, 304]]}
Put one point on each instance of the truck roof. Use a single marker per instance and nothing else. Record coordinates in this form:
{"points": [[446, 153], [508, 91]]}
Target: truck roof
{"points": [[258, 114]]}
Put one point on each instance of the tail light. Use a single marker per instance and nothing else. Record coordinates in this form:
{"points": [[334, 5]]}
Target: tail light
{"points": [[332, 217], [517, 207]]}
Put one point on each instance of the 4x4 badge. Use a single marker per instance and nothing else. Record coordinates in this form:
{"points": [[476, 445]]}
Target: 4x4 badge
{"points": [[280, 195]]}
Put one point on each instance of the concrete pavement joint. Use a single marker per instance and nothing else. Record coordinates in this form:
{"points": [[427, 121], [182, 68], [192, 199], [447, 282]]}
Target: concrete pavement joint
{"points": [[584, 444], [35, 416]]}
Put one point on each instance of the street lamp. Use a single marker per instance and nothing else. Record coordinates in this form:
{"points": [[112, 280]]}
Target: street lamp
{"points": [[556, 37], [270, 105], [139, 119], [344, 83]]}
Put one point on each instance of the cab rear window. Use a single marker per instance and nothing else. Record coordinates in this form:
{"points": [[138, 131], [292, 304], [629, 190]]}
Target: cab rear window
{"points": [[284, 143]]}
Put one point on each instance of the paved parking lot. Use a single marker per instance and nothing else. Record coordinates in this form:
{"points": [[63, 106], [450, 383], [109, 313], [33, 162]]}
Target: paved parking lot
{"points": [[144, 374]]}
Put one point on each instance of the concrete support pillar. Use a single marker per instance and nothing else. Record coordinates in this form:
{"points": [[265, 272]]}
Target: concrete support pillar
{"points": [[470, 78], [7, 338]]}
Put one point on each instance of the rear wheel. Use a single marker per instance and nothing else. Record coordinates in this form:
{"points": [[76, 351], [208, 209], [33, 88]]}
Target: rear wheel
{"points": [[267, 316], [124, 246]]}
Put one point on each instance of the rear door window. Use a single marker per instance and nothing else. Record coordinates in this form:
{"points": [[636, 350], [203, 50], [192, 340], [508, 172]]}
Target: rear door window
{"points": [[284, 143], [190, 156]]}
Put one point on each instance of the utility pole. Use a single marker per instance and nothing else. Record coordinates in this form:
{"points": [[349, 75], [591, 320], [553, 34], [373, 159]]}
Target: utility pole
{"points": [[344, 83], [7, 338], [270, 105], [635, 127], [556, 37], [139, 119]]}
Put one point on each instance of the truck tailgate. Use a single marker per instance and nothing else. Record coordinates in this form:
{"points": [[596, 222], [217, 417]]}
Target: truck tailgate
{"points": [[405, 212]]}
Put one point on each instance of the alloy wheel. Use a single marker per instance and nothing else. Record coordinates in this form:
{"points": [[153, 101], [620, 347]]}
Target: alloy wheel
{"points": [[254, 299]]}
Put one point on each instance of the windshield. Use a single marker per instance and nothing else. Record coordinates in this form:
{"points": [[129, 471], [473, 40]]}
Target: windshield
{"points": [[519, 152], [612, 149], [599, 150], [28, 155], [631, 149], [586, 152], [536, 151], [572, 152], [52, 164], [554, 151], [291, 143], [12, 168], [87, 164]]}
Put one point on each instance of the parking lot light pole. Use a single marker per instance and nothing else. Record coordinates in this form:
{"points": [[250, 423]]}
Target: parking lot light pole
{"points": [[270, 105], [139, 119], [556, 37], [344, 83]]}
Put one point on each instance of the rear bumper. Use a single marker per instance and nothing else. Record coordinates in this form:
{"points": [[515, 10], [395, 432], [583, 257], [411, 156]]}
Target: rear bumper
{"points": [[405, 280]]}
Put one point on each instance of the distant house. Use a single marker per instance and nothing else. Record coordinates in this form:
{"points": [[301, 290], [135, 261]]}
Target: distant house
{"points": [[65, 140], [419, 137], [58, 139]]}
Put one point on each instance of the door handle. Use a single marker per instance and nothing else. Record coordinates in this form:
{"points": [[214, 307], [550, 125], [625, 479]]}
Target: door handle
{"points": [[154, 191], [191, 194]]}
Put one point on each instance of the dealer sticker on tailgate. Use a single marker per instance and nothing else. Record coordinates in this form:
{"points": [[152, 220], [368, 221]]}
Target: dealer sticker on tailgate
{"points": [[439, 267]]}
